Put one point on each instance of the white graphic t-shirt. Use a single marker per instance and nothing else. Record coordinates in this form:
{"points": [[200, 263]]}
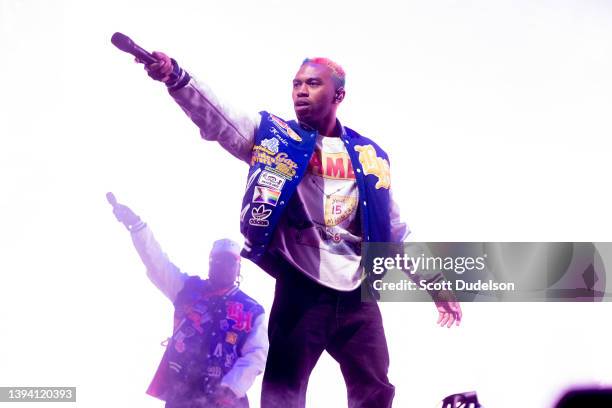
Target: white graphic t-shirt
{"points": [[320, 231]]}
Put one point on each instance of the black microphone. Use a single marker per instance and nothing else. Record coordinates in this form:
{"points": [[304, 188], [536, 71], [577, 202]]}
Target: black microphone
{"points": [[125, 44]]}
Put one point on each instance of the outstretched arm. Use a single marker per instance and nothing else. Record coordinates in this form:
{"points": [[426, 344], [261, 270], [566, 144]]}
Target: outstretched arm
{"points": [[163, 273], [216, 120]]}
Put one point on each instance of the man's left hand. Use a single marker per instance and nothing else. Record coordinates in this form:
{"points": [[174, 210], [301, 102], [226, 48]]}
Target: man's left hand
{"points": [[449, 312], [224, 397]]}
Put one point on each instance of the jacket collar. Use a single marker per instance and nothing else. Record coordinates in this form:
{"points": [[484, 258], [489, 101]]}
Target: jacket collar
{"points": [[308, 128]]}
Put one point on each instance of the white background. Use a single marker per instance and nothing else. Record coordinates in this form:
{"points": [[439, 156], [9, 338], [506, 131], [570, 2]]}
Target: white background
{"points": [[496, 115]]}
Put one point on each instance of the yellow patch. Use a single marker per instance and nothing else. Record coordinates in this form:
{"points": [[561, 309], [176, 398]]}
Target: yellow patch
{"points": [[286, 128], [280, 162], [374, 165]]}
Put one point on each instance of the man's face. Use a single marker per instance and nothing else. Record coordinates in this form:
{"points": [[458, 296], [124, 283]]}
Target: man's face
{"points": [[313, 93], [223, 268]]}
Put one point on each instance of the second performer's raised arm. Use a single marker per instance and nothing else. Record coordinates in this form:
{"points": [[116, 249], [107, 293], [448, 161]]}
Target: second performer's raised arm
{"points": [[163, 273]]}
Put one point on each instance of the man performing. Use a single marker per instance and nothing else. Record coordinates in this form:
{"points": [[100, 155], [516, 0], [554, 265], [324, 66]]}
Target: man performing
{"points": [[220, 342], [316, 190]]}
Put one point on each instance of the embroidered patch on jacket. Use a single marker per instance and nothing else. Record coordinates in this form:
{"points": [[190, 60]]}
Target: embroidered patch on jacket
{"points": [[231, 337], [277, 135], [259, 216], [214, 372], [265, 195], [374, 165], [244, 320], [285, 128], [229, 360], [271, 145], [179, 344], [271, 180], [280, 162]]}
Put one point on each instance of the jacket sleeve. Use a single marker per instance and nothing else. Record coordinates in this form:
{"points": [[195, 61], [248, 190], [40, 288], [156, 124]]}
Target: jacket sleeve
{"points": [[399, 228], [216, 120], [163, 273], [399, 234], [252, 361]]}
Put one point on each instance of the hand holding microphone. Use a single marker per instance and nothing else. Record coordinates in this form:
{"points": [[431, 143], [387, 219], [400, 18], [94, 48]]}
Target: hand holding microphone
{"points": [[125, 215], [158, 65], [161, 70]]}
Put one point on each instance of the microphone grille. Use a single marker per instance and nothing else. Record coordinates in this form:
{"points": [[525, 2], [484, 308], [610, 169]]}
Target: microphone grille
{"points": [[122, 41]]}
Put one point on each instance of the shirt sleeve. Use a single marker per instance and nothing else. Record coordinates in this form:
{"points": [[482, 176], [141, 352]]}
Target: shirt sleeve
{"points": [[253, 360], [164, 274], [216, 120]]}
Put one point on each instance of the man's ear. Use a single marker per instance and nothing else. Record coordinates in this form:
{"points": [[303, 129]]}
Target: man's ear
{"points": [[339, 97]]}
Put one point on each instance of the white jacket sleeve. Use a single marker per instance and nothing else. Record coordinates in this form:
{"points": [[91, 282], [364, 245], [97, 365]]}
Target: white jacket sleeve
{"points": [[399, 233], [399, 229], [252, 361], [163, 273], [234, 131]]}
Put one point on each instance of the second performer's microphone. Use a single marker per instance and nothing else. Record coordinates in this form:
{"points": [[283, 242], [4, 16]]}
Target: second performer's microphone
{"points": [[125, 44]]}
